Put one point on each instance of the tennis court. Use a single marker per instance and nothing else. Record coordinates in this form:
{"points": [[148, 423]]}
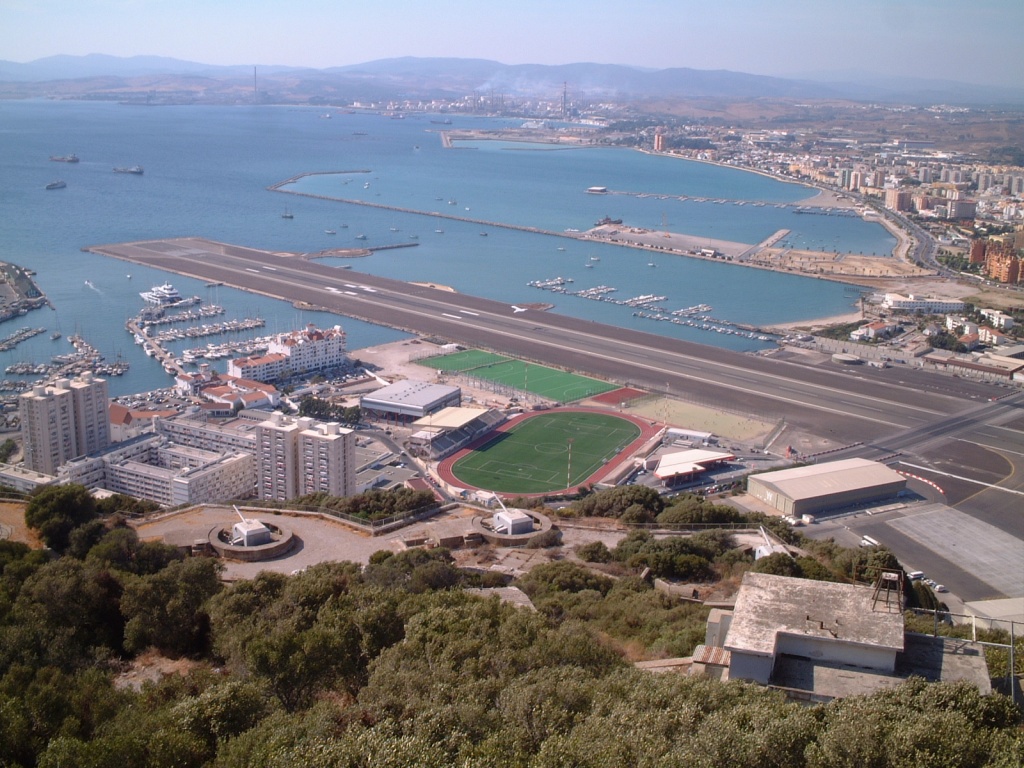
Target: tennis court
{"points": [[549, 383], [547, 452]]}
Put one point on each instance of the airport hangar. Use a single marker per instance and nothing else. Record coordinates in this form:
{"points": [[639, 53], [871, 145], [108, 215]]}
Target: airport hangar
{"points": [[818, 488]]}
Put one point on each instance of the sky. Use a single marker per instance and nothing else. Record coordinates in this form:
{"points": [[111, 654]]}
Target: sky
{"points": [[975, 41]]}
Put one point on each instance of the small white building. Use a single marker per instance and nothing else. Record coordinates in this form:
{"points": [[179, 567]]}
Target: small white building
{"points": [[250, 533], [512, 522]]}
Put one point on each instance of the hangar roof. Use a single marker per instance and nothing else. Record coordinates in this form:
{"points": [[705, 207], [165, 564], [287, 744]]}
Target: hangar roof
{"points": [[829, 478]]}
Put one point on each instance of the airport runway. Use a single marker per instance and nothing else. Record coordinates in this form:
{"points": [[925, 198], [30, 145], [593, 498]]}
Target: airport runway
{"points": [[945, 429], [839, 405]]}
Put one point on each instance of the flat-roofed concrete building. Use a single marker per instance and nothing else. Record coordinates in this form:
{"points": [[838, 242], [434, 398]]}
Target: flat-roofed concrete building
{"points": [[410, 400], [820, 487], [327, 457], [822, 620], [151, 467], [63, 421], [295, 457], [819, 640]]}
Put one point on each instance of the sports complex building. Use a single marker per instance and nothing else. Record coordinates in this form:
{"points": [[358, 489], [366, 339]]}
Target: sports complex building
{"points": [[409, 400], [439, 434], [821, 487]]}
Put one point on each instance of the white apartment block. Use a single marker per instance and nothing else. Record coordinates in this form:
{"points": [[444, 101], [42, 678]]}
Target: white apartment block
{"points": [[295, 457], [327, 460], [310, 349], [63, 421], [928, 306], [149, 467]]}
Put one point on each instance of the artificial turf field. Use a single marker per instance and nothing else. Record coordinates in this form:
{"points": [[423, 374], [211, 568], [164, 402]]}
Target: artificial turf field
{"points": [[528, 377], [533, 456]]}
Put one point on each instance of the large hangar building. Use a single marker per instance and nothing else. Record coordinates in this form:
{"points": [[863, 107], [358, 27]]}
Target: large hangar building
{"points": [[821, 487]]}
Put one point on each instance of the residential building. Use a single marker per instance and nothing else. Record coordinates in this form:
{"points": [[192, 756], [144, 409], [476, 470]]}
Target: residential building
{"points": [[297, 352], [63, 421], [295, 457]]}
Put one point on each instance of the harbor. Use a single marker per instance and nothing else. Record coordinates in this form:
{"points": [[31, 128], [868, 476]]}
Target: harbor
{"points": [[646, 306]]}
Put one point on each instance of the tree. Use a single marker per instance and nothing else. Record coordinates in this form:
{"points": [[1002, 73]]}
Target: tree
{"points": [[778, 564], [165, 609], [56, 510]]}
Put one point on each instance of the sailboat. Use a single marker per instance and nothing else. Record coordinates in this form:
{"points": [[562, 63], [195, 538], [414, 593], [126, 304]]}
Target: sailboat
{"points": [[287, 214]]}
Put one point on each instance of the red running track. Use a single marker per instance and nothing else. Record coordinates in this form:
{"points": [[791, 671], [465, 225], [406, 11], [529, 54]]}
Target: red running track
{"points": [[647, 431]]}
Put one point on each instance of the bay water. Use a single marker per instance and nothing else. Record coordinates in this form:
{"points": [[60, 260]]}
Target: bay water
{"points": [[207, 170]]}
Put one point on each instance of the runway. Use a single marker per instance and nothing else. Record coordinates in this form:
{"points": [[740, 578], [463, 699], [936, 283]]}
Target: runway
{"points": [[846, 407]]}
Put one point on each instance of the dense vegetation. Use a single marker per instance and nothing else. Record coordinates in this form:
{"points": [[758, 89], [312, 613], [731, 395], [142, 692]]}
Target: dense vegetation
{"points": [[374, 504], [394, 664], [325, 410]]}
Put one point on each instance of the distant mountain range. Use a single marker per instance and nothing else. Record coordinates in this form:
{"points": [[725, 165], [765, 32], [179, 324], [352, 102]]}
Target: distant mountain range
{"points": [[410, 77]]}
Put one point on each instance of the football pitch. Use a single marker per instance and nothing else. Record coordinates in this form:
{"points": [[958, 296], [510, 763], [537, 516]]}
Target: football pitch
{"points": [[547, 452], [549, 383]]}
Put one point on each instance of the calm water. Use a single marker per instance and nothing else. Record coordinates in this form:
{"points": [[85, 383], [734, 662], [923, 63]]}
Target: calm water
{"points": [[207, 169]]}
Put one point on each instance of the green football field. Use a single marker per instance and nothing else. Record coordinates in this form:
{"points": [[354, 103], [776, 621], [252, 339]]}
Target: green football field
{"points": [[534, 456], [550, 383]]}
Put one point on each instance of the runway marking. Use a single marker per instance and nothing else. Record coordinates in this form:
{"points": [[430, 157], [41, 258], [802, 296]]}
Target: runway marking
{"points": [[965, 479], [467, 312], [299, 278], [453, 317], [254, 271], [350, 293], [272, 269]]}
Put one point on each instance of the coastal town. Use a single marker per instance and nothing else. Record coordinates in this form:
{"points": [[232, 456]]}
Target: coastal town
{"points": [[541, 385]]}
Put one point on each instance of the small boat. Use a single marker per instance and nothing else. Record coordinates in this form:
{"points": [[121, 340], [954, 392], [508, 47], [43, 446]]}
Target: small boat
{"points": [[394, 229], [360, 237], [651, 264], [55, 335], [561, 248], [88, 283], [483, 234], [129, 277], [72, 158], [589, 266], [344, 226], [133, 169], [439, 231], [56, 184], [330, 232], [287, 214], [414, 237]]}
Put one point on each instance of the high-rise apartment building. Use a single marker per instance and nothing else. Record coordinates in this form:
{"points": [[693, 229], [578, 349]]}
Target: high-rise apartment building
{"points": [[295, 457], [63, 421], [327, 460]]}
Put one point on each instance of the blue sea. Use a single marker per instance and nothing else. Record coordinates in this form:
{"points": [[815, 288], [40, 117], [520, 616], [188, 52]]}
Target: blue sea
{"points": [[207, 170]]}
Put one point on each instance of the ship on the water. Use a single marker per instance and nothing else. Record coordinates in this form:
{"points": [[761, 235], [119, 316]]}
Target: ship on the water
{"points": [[607, 220], [136, 169], [167, 295], [56, 184], [72, 158]]}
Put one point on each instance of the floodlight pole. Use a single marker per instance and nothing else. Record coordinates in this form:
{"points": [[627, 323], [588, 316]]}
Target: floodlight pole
{"points": [[568, 468]]}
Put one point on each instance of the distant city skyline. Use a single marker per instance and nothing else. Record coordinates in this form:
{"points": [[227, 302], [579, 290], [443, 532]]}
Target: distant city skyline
{"points": [[974, 42]]}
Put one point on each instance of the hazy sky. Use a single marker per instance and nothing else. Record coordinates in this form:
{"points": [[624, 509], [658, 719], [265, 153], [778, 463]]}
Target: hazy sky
{"points": [[966, 40]]}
